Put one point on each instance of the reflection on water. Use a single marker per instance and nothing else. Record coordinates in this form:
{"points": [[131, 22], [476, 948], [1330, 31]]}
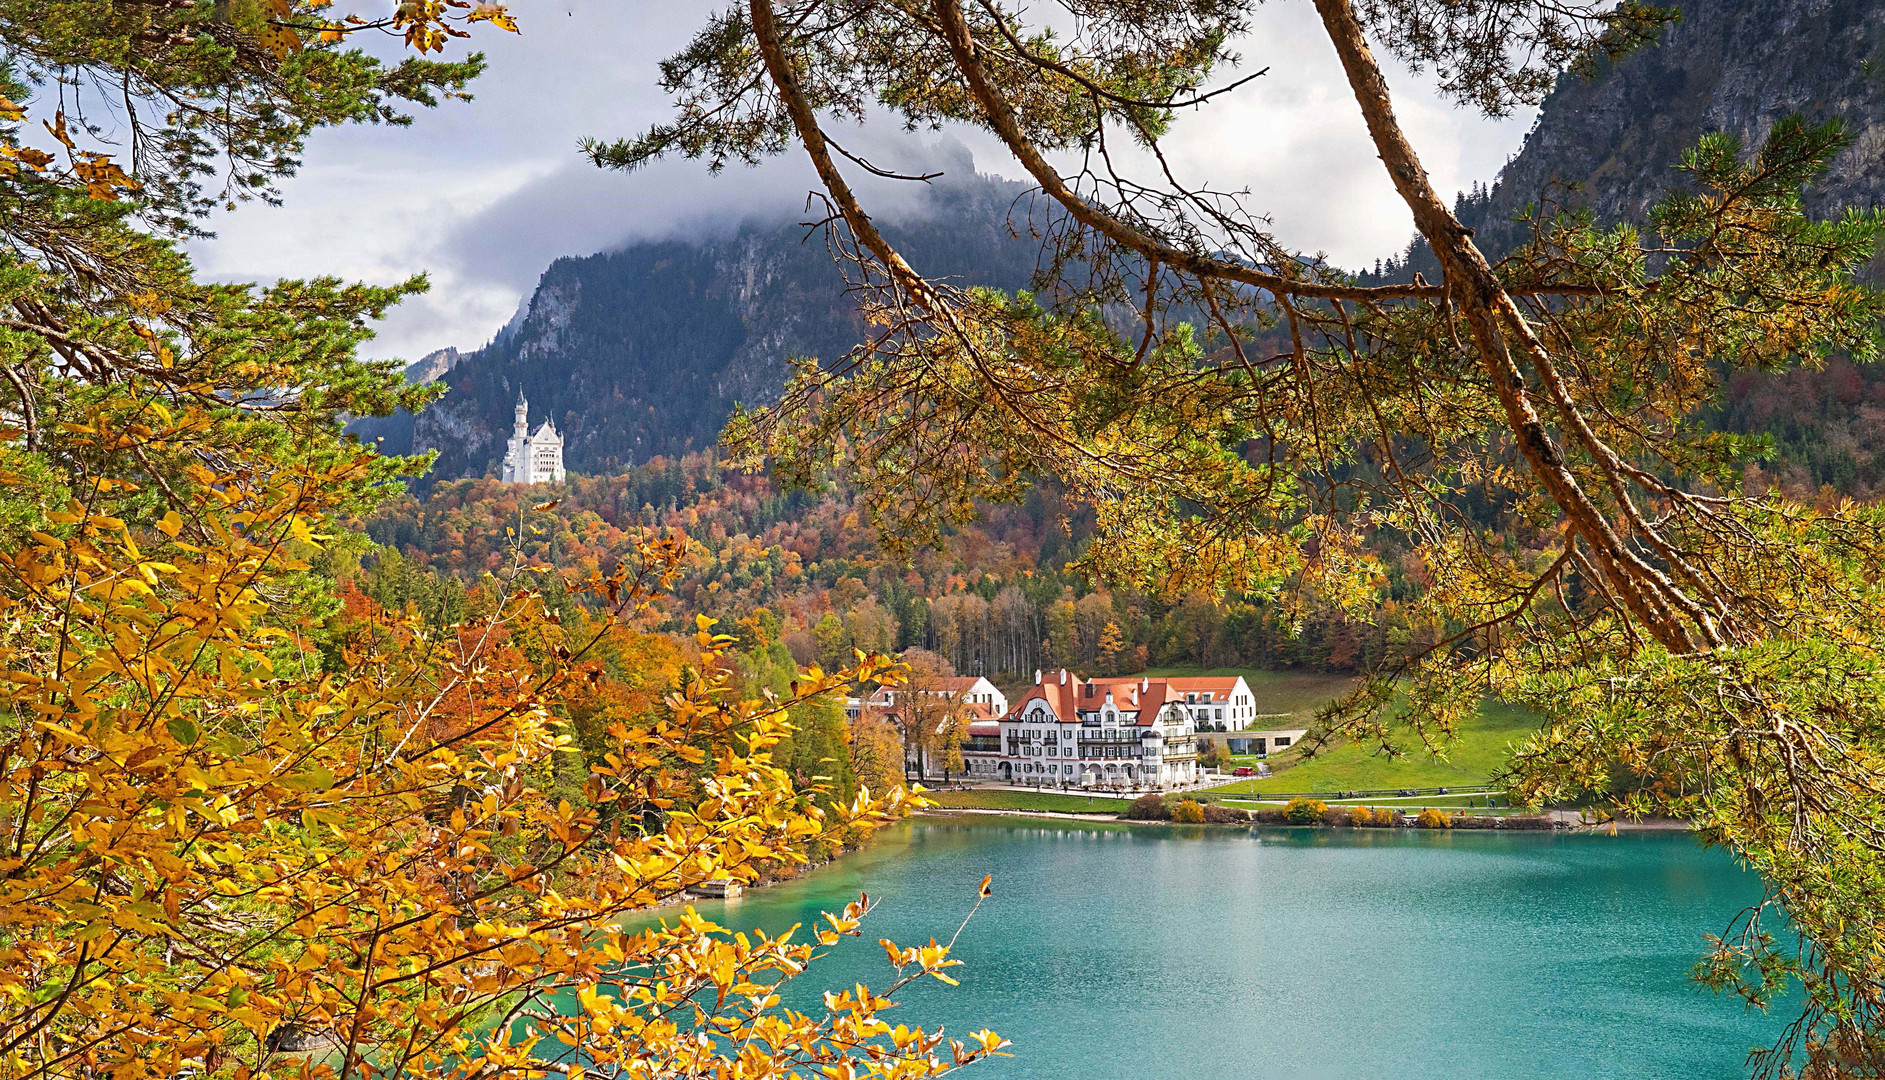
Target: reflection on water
{"points": [[1113, 951]]}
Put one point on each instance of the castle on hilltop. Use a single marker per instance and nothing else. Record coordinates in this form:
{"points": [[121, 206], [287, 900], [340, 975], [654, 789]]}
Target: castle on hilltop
{"points": [[533, 457]]}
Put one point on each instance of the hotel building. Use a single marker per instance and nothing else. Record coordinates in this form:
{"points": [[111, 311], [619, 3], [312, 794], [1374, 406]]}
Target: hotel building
{"points": [[1135, 732]]}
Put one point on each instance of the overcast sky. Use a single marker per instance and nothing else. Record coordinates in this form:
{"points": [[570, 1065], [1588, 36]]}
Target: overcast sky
{"points": [[483, 195]]}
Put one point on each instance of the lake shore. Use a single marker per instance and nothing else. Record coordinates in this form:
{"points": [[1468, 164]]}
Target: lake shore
{"points": [[1567, 820]]}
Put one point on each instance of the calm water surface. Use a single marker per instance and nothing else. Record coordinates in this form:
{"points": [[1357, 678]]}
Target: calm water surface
{"points": [[1142, 952]]}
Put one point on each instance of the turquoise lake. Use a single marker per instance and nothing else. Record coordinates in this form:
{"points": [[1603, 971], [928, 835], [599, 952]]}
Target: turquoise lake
{"points": [[1140, 952]]}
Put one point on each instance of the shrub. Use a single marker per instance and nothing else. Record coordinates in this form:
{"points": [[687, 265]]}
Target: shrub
{"points": [[1432, 818], [1303, 810], [1271, 815], [1188, 812], [1224, 815], [1147, 808], [1360, 817]]}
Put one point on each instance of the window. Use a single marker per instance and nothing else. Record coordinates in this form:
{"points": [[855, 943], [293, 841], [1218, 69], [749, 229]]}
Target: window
{"points": [[1282, 740]]}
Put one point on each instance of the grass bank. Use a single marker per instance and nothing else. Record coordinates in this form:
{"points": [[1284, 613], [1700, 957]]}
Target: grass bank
{"points": [[1025, 800], [1481, 750]]}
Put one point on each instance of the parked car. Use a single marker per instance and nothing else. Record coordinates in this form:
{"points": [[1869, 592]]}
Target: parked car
{"points": [[1243, 770]]}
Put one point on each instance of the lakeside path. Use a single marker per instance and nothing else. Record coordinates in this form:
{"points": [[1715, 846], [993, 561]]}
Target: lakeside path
{"points": [[960, 811]]}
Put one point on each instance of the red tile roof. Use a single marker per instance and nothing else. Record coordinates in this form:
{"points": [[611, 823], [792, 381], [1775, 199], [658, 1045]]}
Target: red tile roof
{"points": [[1144, 695]]}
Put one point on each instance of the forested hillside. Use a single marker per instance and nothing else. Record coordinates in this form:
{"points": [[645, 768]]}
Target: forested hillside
{"points": [[638, 356], [806, 570], [645, 351]]}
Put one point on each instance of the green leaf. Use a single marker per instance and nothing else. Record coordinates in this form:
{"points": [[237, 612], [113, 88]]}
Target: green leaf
{"points": [[183, 729], [312, 778]]}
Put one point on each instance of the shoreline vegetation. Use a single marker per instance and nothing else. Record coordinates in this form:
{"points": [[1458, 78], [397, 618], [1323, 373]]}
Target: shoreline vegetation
{"points": [[1313, 813], [1559, 824]]}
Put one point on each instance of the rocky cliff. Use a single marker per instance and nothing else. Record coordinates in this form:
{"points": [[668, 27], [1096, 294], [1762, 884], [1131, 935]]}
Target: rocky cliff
{"points": [[1611, 143], [433, 365]]}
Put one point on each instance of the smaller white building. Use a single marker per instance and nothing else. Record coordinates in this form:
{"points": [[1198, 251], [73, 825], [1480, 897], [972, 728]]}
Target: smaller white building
{"points": [[533, 457], [974, 698]]}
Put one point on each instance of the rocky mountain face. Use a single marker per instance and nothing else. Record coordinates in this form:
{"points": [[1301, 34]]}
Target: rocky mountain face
{"points": [[646, 350], [433, 365], [1611, 143]]}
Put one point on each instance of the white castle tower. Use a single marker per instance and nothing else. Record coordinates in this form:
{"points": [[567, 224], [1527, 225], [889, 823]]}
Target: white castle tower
{"points": [[533, 457]]}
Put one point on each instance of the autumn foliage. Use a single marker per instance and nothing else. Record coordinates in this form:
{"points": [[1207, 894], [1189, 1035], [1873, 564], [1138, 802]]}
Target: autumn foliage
{"points": [[216, 847], [255, 821]]}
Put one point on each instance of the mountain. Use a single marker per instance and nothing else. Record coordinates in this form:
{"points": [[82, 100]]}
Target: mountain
{"points": [[1612, 142], [433, 365], [645, 351]]}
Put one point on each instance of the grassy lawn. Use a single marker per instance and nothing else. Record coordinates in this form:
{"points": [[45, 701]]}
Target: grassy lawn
{"points": [[1481, 750], [1297, 693], [1475, 803], [1026, 800]]}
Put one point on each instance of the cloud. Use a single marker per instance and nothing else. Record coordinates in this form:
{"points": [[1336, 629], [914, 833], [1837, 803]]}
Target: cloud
{"points": [[482, 196]]}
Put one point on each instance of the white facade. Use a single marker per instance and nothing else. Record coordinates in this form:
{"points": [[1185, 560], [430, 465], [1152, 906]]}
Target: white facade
{"points": [[533, 457], [1113, 733], [1216, 704]]}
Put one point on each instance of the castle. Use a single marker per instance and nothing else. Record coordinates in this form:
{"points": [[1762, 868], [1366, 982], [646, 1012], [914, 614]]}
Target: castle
{"points": [[533, 457]]}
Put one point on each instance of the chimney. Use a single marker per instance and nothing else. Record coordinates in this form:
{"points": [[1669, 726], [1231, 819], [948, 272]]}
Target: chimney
{"points": [[1144, 685], [1037, 676], [1063, 676]]}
